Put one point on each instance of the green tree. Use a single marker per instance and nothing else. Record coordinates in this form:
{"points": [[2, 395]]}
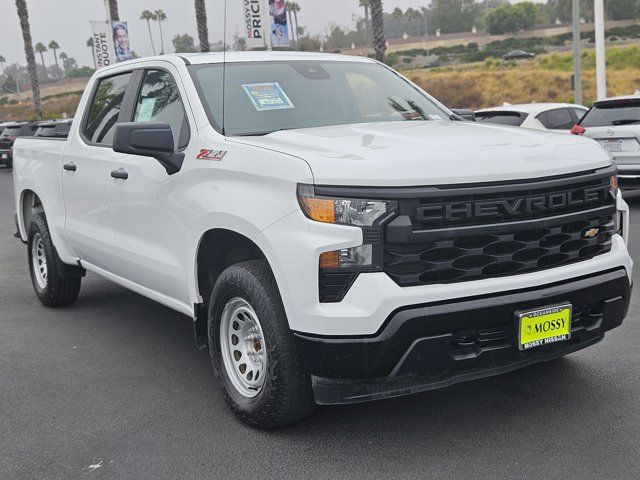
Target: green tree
{"points": [[40, 48], [366, 4], [512, 18], [289, 9], [294, 8], [113, 10], [451, 16], [148, 15], [184, 44], [53, 46], [23, 15], [201, 20], [160, 17], [377, 23]]}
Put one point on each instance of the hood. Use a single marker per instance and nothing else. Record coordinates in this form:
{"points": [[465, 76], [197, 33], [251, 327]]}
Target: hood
{"points": [[432, 153]]}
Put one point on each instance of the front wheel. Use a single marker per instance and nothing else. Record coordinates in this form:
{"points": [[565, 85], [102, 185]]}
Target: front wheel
{"points": [[52, 289], [253, 351]]}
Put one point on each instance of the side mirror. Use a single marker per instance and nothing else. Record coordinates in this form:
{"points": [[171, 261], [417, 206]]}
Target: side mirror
{"points": [[464, 114], [148, 139]]}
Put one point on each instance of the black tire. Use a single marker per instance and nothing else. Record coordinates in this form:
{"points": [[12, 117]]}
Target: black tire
{"points": [[58, 291], [286, 396]]}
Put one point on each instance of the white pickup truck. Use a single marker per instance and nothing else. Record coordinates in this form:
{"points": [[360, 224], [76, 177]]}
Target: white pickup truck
{"points": [[336, 234]]}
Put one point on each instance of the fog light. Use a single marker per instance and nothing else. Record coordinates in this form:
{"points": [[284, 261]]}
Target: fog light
{"points": [[350, 258]]}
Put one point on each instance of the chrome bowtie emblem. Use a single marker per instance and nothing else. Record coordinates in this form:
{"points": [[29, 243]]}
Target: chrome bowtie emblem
{"points": [[592, 232]]}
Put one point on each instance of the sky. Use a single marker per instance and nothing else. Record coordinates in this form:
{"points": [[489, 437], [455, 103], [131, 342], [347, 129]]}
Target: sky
{"points": [[67, 22]]}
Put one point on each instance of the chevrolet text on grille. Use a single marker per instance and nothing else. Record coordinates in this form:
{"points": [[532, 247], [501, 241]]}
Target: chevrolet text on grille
{"points": [[511, 206]]}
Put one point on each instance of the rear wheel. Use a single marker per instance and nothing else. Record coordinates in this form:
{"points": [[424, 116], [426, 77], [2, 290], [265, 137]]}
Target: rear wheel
{"points": [[253, 351], [52, 289]]}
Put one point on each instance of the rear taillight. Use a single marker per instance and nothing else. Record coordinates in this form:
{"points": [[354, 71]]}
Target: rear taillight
{"points": [[578, 130]]}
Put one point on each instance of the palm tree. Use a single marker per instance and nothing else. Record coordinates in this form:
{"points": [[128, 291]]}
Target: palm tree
{"points": [[53, 45], [367, 20], [23, 15], [2, 62], [295, 8], [289, 8], [379, 42], [113, 10], [148, 15], [160, 17], [40, 48], [201, 19], [64, 57], [90, 46]]}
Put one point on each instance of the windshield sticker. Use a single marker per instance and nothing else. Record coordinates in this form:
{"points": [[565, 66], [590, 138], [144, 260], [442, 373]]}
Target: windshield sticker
{"points": [[267, 96], [145, 110], [435, 117]]}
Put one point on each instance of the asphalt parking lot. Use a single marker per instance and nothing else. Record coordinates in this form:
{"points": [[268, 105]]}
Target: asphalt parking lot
{"points": [[113, 387]]}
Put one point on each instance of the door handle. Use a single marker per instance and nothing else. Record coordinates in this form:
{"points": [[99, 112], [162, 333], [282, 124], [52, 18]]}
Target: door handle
{"points": [[120, 173], [70, 167]]}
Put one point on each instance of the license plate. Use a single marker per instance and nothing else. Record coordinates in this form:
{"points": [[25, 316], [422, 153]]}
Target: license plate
{"points": [[613, 145], [544, 326]]}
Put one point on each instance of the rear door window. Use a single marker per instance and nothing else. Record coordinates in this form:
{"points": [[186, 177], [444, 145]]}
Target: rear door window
{"points": [[513, 119], [614, 113], [105, 109], [558, 119]]}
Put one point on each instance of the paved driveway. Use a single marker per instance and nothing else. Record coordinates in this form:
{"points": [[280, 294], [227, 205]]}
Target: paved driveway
{"points": [[113, 387]]}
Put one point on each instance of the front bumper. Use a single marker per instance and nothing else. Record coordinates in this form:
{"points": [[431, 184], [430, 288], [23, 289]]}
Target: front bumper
{"points": [[433, 345]]}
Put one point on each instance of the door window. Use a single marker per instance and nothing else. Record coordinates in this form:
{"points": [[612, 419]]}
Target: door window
{"points": [[105, 109], [159, 101], [558, 119]]}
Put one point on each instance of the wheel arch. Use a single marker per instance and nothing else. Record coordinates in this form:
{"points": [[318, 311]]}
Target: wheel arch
{"points": [[217, 249], [30, 203]]}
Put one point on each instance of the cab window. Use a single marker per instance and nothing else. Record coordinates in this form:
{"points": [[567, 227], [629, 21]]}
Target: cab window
{"points": [[558, 119], [159, 101], [105, 109]]}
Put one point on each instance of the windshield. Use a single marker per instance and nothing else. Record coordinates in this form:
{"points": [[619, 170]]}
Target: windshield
{"points": [[264, 97], [11, 131], [612, 114]]}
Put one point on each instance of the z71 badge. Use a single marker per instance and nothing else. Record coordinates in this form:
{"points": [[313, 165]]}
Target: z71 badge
{"points": [[214, 155]]}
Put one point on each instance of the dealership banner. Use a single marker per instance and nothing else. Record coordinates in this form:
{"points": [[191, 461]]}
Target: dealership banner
{"points": [[279, 28], [120, 31], [256, 23], [104, 51]]}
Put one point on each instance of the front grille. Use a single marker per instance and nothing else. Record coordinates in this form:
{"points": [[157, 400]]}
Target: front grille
{"points": [[481, 256], [420, 249]]}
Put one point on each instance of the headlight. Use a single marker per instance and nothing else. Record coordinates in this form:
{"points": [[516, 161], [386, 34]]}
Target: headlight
{"points": [[613, 185], [343, 211]]}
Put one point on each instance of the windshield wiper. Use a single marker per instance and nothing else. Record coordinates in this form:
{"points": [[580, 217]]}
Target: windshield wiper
{"points": [[628, 121], [261, 134]]}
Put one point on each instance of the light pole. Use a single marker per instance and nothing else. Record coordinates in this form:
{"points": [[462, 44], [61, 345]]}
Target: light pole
{"points": [[601, 76], [577, 71], [426, 31]]}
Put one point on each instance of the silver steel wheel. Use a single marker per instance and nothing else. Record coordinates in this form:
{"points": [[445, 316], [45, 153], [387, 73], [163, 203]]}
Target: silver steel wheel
{"points": [[242, 343], [39, 261]]}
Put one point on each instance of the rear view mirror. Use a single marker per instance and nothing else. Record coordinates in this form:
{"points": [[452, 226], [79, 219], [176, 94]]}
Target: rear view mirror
{"points": [[148, 139], [464, 114]]}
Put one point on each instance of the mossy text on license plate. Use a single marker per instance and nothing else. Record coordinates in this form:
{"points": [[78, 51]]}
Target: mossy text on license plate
{"points": [[544, 326]]}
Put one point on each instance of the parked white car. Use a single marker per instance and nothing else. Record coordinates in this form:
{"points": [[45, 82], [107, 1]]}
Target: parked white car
{"points": [[336, 234], [615, 124], [540, 116]]}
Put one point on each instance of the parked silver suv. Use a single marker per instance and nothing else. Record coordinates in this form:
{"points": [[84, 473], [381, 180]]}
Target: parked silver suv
{"points": [[615, 124]]}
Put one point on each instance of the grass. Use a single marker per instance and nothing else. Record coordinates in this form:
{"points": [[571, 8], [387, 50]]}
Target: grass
{"points": [[547, 79]]}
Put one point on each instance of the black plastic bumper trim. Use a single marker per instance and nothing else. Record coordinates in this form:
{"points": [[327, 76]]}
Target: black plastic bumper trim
{"points": [[464, 334], [337, 392]]}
